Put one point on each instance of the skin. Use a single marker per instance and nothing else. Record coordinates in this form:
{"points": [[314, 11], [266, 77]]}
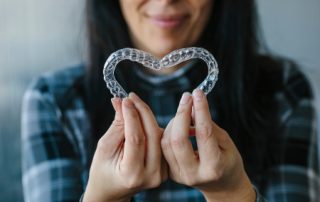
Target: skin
{"points": [[128, 157], [161, 26], [135, 154], [216, 169]]}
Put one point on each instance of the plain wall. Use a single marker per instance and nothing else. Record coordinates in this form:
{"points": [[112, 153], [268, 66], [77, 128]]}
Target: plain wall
{"points": [[38, 35], [35, 36]]}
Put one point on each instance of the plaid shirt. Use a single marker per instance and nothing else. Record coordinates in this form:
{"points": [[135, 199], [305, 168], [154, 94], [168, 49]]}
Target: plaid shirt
{"points": [[55, 136]]}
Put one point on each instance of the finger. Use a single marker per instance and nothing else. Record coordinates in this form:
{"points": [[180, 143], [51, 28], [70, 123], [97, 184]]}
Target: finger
{"points": [[117, 126], [110, 143], [222, 137], [180, 142], [116, 103], [206, 141], [152, 132], [134, 146], [166, 148]]}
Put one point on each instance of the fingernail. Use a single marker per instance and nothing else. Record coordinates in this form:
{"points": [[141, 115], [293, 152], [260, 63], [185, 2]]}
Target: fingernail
{"points": [[185, 98], [127, 103], [114, 102], [133, 95], [197, 94], [115, 99]]}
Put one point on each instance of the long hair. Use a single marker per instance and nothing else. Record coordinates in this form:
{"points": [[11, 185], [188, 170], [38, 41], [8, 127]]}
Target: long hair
{"points": [[241, 95]]}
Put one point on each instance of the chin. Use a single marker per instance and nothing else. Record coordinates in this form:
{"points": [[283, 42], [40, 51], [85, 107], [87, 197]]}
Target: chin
{"points": [[162, 49]]}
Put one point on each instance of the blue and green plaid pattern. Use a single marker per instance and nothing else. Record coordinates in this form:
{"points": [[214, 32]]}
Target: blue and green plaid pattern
{"points": [[56, 128]]}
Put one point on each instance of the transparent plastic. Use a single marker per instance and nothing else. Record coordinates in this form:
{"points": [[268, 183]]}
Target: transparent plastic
{"points": [[168, 61]]}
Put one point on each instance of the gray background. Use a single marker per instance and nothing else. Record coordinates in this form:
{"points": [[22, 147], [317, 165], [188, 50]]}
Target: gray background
{"points": [[39, 35]]}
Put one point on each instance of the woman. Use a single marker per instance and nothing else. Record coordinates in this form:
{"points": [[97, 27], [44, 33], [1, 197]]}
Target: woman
{"points": [[256, 139]]}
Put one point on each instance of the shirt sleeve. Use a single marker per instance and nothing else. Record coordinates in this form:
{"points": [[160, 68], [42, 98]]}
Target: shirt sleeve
{"points": [[296, 176], [50, 166]]}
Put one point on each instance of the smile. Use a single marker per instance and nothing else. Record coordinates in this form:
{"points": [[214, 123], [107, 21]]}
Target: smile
{"points": [[166, 21]]}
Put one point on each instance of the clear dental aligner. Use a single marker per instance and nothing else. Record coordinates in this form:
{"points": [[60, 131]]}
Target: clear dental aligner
{"points": [[168, 61]]}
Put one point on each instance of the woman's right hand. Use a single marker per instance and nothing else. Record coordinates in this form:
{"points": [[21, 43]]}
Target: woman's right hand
{"points": [[128, 157]]}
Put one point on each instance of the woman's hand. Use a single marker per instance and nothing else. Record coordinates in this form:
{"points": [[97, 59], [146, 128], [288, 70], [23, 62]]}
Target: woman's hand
{"points": [[216, 169], [128, 157]]}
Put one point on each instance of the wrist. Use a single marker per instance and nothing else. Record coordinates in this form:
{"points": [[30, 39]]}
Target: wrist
{"points": [[90, 196], [243, 192]]}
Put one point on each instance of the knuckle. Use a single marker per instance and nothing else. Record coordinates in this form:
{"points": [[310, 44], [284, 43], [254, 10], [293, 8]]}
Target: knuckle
{"points": [[133, 114], [165, 143], [205, 131], [104, 148], [136, 139], [223, 132], [101, 141], [177, 141], [200, 107], [190, 181], [182, 110], [117, 123], [224, 137], [145, 107], [214, 175], [102, 144], [189, 177], [133, 182], [155, 180]]}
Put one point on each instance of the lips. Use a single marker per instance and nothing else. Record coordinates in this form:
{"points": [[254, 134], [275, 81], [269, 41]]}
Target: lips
{"points": [[167, 21]]}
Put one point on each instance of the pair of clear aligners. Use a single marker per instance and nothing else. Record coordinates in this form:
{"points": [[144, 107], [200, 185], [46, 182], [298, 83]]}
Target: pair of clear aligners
{"points": [[168, 61]]}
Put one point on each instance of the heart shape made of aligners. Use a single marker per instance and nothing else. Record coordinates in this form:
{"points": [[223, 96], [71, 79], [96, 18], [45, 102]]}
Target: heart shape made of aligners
{"points": [[150, 61]]}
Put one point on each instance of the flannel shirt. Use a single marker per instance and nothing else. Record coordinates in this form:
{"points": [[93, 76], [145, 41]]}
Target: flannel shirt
{"points": [[56, 128]]}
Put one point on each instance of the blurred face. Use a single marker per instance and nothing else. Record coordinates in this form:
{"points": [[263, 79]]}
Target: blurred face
{"points": [[161, 26]]}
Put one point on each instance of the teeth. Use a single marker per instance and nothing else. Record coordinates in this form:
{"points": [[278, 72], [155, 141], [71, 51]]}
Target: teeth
{"points": [[152, 62]]}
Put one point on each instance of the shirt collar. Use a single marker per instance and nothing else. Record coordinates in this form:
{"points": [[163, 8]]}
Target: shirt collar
{"points": [[162, 80]]}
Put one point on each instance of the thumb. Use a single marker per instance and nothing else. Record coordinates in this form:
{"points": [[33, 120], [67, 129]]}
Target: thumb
{"points": [[118, 118], [110, 141], [116, 129]]}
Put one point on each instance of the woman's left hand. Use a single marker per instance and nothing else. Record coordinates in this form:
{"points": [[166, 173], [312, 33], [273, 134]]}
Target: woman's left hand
{"points": [[216, 169]]}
